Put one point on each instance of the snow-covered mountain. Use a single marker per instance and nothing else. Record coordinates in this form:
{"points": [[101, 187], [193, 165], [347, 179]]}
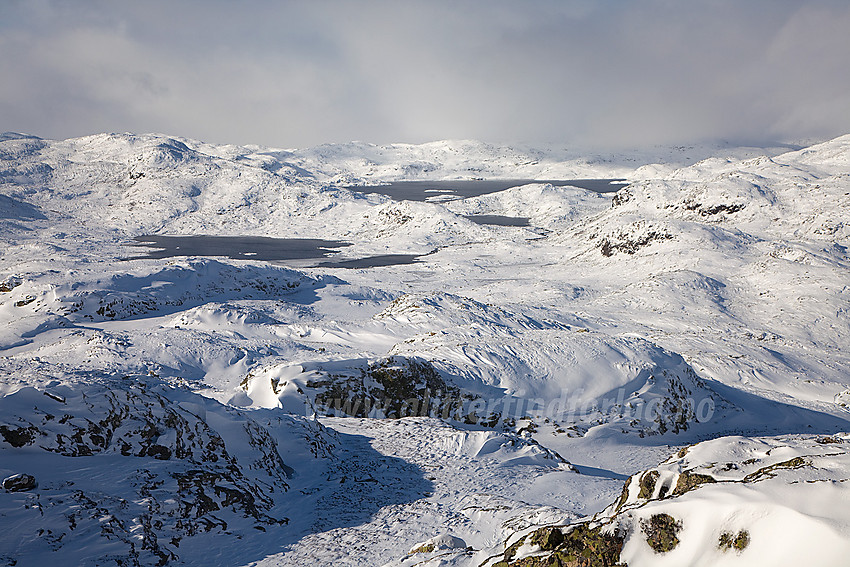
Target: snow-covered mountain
{"points": [[483, 404]]}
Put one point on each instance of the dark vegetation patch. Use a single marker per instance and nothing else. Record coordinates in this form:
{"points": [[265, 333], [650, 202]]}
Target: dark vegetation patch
{"points": [[9, 284], [647, 484], [690, 480], [624, 495], [426, 548], [661, 531], [738, 541]]}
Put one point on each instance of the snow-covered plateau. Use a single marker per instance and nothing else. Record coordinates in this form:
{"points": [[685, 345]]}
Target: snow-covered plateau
{"points": [[654, 376]]}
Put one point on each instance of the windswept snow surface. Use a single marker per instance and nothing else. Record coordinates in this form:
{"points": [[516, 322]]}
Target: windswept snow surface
{"points": [[208, 410]]}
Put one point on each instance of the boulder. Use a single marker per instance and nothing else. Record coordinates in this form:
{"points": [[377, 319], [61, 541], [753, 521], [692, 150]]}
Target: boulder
{"points": [[19, 482]]}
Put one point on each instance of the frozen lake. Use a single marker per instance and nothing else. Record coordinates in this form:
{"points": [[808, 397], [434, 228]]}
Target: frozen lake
{"points": [[238, 247], [499, 220], [300, 252], [465, 188]]}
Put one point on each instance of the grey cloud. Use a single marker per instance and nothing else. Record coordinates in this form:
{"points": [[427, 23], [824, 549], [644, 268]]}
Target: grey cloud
{"points": [[302, 73]]}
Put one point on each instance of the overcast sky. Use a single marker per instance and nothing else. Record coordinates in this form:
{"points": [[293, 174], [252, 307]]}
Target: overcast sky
{"points": [[295, 74]]}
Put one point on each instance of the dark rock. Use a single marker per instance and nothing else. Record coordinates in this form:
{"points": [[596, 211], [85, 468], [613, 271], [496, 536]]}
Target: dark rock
{"points": [[620, 197], [158, 452], [631, 244], [721, 208], [25, 301], [18, 436], [19, 482]]}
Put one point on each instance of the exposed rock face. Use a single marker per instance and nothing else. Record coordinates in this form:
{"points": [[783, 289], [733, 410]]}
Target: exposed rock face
{"points": [[395, 386], [168, 464], [632, 238], [580, 545]]}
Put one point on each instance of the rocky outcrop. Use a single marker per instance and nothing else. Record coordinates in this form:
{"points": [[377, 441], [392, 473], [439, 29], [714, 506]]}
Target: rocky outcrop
{"points": [[393, 387], [20, 482], [171, 465]]}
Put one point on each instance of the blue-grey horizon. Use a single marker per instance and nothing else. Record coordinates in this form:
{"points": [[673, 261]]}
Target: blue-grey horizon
{"points": [[296, 74]]}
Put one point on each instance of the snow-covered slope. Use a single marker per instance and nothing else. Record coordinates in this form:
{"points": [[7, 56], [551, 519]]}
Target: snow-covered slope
{"points": [[730, 501], [359, 162], [139, 474], [756, 248], [528, 371]]}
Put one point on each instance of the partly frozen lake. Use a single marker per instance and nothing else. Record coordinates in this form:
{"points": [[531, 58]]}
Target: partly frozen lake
{"points": [[312, 252], [303, 252], [237, 247], [465, 188], [499, 220]]}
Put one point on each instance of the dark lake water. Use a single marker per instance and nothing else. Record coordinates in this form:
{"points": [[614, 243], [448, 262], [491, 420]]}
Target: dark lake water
{"points": [[238, 247], [498, 220], [373, 261], [465, 188], [303, 252]]}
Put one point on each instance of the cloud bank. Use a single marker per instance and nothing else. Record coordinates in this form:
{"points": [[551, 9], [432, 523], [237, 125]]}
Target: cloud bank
{"points": [[602, 73]]}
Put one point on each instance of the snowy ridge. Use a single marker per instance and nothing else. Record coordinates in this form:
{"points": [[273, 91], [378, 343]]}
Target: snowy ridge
{"points": [[129, 469], [729, 501], [359, 162]]}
